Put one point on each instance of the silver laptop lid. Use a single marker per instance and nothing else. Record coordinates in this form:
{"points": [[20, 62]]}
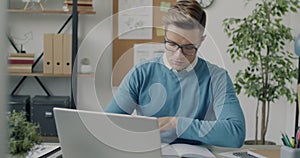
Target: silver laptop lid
{"points": [[97, 134]]}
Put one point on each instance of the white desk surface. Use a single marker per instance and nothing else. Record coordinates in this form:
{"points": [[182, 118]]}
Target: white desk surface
{"points": [[272, 151]]}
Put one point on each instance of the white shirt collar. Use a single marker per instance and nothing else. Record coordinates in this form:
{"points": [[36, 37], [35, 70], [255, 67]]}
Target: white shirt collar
{"points": [[189, 68]]}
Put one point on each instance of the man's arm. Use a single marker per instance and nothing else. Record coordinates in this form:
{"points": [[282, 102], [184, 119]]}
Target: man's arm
{"points": [[167, 123], [228, 128], [124, 101]]}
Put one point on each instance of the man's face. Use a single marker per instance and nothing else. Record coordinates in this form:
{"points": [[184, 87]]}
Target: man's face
{"points": [[189, 39]]}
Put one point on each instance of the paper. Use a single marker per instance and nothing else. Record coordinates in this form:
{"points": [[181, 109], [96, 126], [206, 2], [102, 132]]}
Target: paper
{"points": [[146, 51], [160, 31], [165, 6], [186, 150], [135, 19], [168, 150], [42, 150]]}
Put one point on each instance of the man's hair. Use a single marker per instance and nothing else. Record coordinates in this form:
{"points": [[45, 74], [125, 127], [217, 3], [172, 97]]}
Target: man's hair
{"points": [[186, 14]]}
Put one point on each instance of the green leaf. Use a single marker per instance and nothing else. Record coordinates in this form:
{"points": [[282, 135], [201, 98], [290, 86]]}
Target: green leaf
{"points": [[259, 40], [22, 134]]}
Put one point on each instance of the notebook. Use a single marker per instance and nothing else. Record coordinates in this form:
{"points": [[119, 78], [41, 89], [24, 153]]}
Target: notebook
{"points": [[97, 134], [42, 151], [185, 150]]}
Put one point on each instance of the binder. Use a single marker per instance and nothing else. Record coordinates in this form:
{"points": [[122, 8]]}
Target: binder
{"points": [[67, 54], [48, 54], [58, 53]]}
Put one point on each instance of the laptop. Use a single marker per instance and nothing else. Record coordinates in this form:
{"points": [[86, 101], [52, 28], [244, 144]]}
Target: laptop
{"points": [[98, 134]]}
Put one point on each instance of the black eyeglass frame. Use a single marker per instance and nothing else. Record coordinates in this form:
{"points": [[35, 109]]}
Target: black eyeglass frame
{"points": [[182, 47]]}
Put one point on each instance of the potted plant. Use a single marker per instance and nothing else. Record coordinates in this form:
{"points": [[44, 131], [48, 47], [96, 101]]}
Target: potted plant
{"points": [[259, 41], [23, 135], [85, 66]]}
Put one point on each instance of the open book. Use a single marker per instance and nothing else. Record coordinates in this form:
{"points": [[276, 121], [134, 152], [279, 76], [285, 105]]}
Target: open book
{"points": [[185, 150], [40, 151]]}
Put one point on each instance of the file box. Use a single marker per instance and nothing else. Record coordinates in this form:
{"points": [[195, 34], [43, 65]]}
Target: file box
{"points": [[42, 112], [19, 103]]}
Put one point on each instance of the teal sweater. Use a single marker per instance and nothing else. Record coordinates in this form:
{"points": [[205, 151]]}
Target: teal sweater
{"points": [[203, 99]]}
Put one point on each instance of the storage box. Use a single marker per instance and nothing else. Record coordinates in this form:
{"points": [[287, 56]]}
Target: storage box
{"points": [[19, 103], [287, 152], [42, 112]]}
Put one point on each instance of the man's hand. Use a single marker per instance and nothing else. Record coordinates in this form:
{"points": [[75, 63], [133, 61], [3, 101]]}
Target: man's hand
{"points": [[167, 123]]}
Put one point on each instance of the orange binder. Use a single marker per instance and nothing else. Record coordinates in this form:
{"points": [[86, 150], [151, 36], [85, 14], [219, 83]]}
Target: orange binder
{"points": [[58, 53], [48, 54], [67, 54]]}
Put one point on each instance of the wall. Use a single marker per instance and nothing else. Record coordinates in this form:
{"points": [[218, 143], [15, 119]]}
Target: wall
{"points": [[3, 127], [95, 32], [282, 113]]}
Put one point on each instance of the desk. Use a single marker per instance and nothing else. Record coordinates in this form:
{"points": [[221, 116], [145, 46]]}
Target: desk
{"points": [[270, 151]]}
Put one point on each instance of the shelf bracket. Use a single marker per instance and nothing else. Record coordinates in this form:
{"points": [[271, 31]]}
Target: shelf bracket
{"points": [[12, 43], [42, 85]]}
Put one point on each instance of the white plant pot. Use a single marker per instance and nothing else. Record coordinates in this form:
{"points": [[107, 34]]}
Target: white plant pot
{"points": [[85, 69]]}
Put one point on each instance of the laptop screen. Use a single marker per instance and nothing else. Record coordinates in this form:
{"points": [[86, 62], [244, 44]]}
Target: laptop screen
{"points": [[98, 134]]}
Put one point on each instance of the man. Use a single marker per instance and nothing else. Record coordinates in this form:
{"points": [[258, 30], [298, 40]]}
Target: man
{"points": [[194, 100]]}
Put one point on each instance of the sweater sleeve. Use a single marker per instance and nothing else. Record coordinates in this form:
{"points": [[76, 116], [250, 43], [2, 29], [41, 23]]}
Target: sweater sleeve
{"points": [[228, 127], [124, 101]]}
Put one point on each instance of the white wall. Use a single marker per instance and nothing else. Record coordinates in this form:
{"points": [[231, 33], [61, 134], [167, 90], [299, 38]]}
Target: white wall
{"points": [[3, 122], [98, 32], [282, 113]]}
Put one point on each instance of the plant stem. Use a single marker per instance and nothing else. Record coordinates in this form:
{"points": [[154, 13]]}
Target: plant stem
{"points": [[263, 120], [267, 121], [264, 117], [256, 122]]}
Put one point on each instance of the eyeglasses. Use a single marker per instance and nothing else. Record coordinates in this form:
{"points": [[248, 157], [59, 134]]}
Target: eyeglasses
{"points": [[187, 50]]}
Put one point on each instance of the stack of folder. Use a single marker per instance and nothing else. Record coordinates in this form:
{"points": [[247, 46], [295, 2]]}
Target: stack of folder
{"points": [[82, 5], [57, 54], [20, 62]]}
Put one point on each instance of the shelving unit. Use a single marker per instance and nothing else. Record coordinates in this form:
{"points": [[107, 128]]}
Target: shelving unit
{"points": [[74, 53], [74, 16]]}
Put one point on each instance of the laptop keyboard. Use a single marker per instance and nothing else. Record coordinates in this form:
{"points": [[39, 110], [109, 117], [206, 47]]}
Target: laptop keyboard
{"points": [[243, 154]]}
